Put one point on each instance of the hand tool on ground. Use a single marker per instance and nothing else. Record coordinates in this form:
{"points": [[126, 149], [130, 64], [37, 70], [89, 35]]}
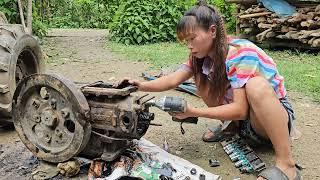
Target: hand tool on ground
{"points": [[244, 158]]}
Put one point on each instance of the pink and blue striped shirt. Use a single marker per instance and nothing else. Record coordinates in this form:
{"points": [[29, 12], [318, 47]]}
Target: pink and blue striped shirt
{"points": [[244, 61]]}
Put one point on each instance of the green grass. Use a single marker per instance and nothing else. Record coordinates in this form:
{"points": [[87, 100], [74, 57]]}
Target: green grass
{"points": [[301, 70], [157, 55]]}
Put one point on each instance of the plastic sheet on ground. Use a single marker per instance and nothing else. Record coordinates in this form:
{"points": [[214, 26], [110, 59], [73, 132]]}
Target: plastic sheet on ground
{"points": [[280, 7], [147, 161]]}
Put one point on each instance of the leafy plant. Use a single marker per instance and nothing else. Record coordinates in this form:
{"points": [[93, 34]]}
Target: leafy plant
{"points": [[39, 28], [9, 8], [145, 21], [11, 11], [130, 22], [227, 10], [80, 13]]}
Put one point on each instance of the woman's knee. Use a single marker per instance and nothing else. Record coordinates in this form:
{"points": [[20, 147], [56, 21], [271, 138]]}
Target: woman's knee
{"points": [[258, 87]]}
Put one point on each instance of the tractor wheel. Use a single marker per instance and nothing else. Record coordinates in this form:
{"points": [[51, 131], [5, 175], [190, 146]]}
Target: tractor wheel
{"points": [[20, 56]]}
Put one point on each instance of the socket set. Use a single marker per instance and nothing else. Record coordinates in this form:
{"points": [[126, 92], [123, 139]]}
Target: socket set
{"points": [[244, 158]]}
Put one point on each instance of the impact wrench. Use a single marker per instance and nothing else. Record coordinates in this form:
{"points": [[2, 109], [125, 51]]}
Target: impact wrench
{"points": [[174, 105]]}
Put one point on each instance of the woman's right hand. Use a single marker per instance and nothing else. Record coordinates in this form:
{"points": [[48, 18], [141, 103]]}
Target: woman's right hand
{"points": [[125, 82]]}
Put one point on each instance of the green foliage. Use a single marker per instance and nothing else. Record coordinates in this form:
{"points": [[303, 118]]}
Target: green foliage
{"points": [[130, 22], [145, 21], [227, 10], [9, 8], [39, 27], [81, 13]]}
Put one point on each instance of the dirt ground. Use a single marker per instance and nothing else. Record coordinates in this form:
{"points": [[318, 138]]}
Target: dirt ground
{"points": [[81, 55]]}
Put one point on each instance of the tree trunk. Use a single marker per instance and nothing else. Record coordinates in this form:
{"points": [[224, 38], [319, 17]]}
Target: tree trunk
{"points": [[21, 15], [29, 17]]}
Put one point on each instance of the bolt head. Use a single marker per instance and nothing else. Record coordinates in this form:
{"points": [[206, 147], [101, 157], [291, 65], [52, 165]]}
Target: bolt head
{"points": [[49, 118], [53, 103], [65, 113], [36, 103], [58, 133], [47, 138]]}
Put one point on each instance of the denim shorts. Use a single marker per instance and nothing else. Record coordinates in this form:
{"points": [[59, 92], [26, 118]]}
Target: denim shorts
{"points": [[248, 133]]}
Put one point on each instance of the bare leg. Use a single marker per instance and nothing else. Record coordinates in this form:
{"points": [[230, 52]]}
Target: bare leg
{"points": [[270, 120]]}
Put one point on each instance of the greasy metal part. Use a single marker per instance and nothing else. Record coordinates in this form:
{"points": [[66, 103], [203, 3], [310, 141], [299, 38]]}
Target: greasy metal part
{"points": [[51, 117], [108, 91], [148, 100], [55, 120], [100, 147], [142, 97], [116, 118]]}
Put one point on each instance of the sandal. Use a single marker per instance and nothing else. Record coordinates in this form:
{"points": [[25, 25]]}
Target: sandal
{"points": [[218, 134], [275, 173]]}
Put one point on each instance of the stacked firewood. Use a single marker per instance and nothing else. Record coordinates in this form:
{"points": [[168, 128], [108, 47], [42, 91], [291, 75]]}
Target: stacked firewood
{"points": [[303, 26]]}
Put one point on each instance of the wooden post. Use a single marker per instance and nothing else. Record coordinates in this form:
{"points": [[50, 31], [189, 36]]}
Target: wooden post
{"points": [[237, 21], [21, 15], [254, 15], [29, 17]]}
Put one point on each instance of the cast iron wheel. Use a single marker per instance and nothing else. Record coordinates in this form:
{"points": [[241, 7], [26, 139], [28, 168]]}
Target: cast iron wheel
{"points": [[51, 117]]}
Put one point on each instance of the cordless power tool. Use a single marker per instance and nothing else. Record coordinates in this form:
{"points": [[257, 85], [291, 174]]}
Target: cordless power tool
{"points": [[174, 105]]}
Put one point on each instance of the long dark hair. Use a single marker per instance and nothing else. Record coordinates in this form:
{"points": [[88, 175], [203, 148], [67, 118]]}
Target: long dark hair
{"points": [[203, 15]]}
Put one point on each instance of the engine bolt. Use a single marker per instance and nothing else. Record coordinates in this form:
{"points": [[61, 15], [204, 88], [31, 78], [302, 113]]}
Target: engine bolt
{"points": [[48, 138], [37, 118], [36, 103], [58, 133], [53, 103], [49, 119], [65, 113]]}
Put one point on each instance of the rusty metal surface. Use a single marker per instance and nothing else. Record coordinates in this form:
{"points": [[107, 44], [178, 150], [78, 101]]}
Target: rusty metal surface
{"points": [[55, 120], [51, 117], [121, 116], [116, 118], [108, 91], [100, 88]]}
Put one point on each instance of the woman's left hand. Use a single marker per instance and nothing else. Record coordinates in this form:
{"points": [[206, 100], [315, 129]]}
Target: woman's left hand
{"points": [[184, 115]]}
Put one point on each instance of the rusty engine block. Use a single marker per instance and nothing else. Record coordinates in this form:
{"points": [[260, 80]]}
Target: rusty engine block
{"points": [[57, 120]]}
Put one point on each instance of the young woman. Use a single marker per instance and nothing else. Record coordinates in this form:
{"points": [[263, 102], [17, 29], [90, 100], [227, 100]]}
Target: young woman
{"points": [[238, 81]]}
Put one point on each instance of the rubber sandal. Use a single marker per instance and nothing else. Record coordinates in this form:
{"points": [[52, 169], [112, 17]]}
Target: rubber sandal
{"points": [[218, 134], [274, 173]]}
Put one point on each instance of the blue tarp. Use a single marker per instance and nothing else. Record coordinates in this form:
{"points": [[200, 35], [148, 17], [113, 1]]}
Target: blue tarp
{"points": [[280, 7]]}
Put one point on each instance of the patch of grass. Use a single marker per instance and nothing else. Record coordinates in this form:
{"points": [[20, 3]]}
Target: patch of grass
{"points": [[55, 60], [157, 55], [300, 70]]}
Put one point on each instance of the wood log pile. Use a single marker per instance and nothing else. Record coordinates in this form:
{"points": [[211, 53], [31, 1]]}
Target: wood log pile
{"points": [[303, 26]]}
